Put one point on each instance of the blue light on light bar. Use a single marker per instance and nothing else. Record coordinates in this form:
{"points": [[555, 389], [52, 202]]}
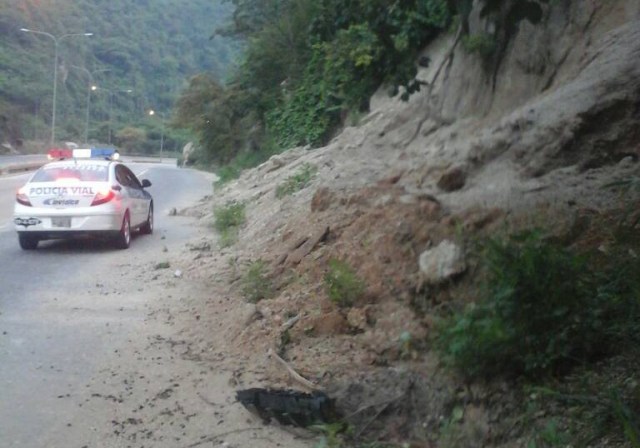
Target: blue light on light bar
{"points": [[93, 153]]}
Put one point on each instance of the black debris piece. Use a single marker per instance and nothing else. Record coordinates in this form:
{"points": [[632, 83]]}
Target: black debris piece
{"points": [[424, 61], [289, 407]]}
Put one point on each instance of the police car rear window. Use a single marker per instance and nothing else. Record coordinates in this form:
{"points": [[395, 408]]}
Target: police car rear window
{"points": [[82, 173]]}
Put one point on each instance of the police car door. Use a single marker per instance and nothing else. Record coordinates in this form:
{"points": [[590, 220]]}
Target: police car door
{"points": [[137, 200]]}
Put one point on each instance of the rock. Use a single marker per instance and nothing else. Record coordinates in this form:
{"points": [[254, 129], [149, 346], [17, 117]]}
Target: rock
{"points": [[331, 323], [391, 180], [187, 151], [358, 318], [274, 163], [178, 273], [202, 246], [310, 242], [173, 211], [626, 161], [441, 263], [322, 199], [454, 179], [249, 314]]}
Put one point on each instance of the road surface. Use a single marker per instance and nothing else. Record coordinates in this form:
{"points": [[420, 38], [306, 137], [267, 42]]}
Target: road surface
{"points": [[63, 310]]}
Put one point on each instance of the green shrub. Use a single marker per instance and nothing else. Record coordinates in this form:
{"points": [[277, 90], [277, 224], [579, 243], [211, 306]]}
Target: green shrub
{"points": [[256, 285], [245, 160], [594, 405], [296, 182], [343, 286], [226, 174], [162, 265], [228, 220], [543, 310], [484, 44]]}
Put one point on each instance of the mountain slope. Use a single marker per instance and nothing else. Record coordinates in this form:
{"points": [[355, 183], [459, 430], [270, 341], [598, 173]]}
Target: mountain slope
{"points": [[149, 47]]}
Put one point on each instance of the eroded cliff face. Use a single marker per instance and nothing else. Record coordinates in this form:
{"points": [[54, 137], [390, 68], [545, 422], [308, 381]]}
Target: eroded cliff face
{"points": [[562, 92], [534, 56]]}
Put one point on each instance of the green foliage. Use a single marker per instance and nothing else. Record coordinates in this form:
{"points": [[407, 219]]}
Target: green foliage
{"points": [[131, 138], [592, 407], [484, 44], [147, 47], [255, 283], [226, 174], [297, 182], [216, 115], [342, 284], [228, 220], [550, 436], [242, 161], [543, 310], [309, 64], [162, 265]]}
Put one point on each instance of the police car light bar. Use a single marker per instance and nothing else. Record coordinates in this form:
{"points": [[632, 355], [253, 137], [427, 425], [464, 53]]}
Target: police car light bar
{"points": [[92, 153]]}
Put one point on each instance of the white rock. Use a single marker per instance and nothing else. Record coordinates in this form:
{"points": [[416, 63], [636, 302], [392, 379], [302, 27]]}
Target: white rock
{"points": [[441, 262]]}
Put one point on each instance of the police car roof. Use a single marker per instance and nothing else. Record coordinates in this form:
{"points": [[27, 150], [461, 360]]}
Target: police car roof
{"points": [[76, 162]]}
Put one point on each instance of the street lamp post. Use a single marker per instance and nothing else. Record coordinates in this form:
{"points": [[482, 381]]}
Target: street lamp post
{"points": [[91, 87], [56, 41], [111, 92], [153, 112]]}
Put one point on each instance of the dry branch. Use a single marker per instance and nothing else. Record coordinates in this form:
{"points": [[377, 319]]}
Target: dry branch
{"points": [[295, 375]]}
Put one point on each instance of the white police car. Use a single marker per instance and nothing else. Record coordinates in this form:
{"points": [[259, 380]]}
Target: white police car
{"points": [[89, 194]]}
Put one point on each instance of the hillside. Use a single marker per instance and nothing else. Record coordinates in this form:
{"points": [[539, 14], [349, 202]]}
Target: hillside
{"points": [[150, 48], [402, 198]]}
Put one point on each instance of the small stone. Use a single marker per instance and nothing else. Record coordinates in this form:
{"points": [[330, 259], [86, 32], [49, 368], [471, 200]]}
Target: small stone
{"points": [[452, 180]]}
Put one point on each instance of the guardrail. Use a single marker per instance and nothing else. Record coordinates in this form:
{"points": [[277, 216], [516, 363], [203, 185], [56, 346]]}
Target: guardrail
{"points": [[20, 167]]}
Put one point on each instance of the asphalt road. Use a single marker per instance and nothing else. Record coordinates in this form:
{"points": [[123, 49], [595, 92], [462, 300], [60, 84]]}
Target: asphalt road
{"points": [[58, 315]]}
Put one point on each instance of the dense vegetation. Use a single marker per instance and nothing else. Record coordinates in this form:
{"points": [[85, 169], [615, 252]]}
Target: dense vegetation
{"points": [[149, 47], [544, 308], [308, 65]]}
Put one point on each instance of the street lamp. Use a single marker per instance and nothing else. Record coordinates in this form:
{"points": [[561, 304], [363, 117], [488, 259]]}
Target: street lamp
{"points": [[91, 87], [152, 113], [56, 41], [111, 92]]}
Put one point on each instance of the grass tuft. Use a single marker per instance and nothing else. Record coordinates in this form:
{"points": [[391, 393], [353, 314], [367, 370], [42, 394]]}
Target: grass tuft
{"points": [[228, 220], [297, 182], [342, 284], [256, 285]]}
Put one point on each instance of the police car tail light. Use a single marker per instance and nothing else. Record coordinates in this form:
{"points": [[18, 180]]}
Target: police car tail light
{"points": [[103, 196], [22, 198]]}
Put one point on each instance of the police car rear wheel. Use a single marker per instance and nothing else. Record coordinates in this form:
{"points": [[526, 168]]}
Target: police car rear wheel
{"points": [[124, 236], [27, 242], [147, 227]]}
